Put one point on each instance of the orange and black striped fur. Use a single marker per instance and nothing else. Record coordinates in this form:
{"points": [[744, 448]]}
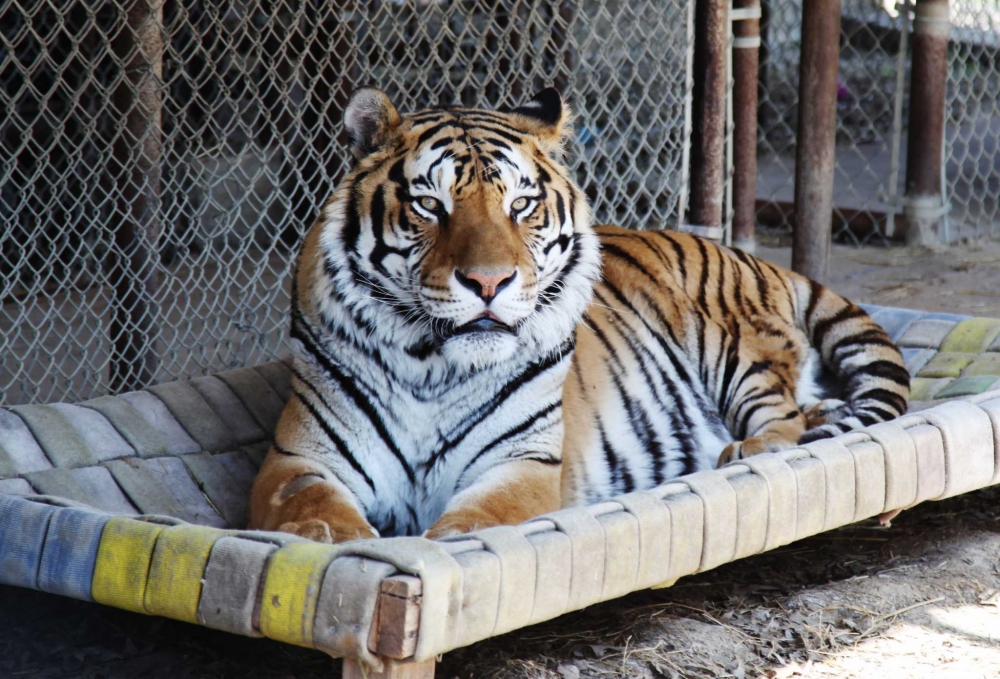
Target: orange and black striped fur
{"points": [[691, 349], [461, 361]]}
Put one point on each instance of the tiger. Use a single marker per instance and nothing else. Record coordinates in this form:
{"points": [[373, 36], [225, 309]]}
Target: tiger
{"points": [[470, 350]]}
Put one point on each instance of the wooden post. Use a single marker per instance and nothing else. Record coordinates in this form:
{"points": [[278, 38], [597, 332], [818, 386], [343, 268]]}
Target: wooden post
{"points": [[394, 633], [137, 152], [816, 137], [746, 50], [708, 110], [394, 669], [924, 207]]}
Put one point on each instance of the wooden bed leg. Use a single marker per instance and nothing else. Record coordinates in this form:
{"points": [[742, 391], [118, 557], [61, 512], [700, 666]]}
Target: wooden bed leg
{"points": [[394, 669], [394, 633]]}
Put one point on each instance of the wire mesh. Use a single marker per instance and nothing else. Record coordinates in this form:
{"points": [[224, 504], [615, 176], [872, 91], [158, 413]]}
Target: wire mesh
{"points": [[872, 115], [865, 184], [972, 129], [160, 161]]}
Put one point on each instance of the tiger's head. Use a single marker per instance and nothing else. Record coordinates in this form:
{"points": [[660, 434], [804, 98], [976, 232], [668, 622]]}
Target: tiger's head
{"points": [[458, 233]]}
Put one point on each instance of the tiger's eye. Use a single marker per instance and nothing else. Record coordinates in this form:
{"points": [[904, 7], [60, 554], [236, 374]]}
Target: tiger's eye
{"points": [[519, 204], [430, 204]]}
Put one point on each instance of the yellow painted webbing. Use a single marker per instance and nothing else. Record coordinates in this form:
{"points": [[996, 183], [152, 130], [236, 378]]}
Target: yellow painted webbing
{"points": [[123, 559], [173, 588], [291, 590]]}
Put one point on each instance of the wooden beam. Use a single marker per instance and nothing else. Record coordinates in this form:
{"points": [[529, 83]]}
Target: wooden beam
{"points": [[394, 630], [394, 633], [394, 669]]}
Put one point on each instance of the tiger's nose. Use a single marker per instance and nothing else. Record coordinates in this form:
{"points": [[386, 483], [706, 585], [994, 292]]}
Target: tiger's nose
{"points": [[486, 285]]}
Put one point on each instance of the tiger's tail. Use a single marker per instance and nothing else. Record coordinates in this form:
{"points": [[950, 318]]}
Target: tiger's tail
{"points": [[874, 382]]}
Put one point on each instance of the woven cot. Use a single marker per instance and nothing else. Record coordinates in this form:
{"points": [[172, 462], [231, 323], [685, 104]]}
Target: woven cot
{"points": [[136, 501]]}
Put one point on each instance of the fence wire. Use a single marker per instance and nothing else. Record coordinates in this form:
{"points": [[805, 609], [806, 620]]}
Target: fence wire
{"points": [[865, 185], [160, 160], [873, 114], [972, 130]]}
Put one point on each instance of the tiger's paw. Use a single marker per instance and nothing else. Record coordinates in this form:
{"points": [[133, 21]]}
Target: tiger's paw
{"points": [[730, 453], [459, 522], [755, 445], [826, 411], [319, 530]]}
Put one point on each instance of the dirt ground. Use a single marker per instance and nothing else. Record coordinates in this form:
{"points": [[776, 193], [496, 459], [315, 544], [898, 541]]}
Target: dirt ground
{"points": [[918, 599], [960, 279]]}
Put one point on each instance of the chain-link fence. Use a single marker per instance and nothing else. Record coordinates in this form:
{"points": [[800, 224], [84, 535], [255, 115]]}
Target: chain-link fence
{"points": [[867, 160], [873, 113], [972, 132], [161, 159]]}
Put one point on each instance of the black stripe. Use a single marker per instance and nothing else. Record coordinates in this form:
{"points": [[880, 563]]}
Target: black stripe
{"points": [[507, 134], [790, 415], [560, 209], [352, 224], [680, 421], [625, 256], [755, 368], [547, 460], [349, 387], [890, 398], [556, 286], [619, 473], [660, 319], [822, 327], [721, 287], [755, 395], [678, 252], [703, 283], [873, 337], [744, 422], [432, 130], [638, 419], [732, 364], [487, 409], [332, 435], [513, 431], [881, 413], [815, 291], [884, 369]]}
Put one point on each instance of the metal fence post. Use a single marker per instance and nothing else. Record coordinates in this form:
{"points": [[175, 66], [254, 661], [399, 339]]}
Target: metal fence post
{"points": [[764, 112], [746, 16], [923, 205], [138, 151], [708, 134], [816, 137]]}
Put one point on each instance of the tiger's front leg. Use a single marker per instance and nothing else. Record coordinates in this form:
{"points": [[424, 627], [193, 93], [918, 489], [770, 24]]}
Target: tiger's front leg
{"points": [[293, 494], [508, 494], [763, 414]]}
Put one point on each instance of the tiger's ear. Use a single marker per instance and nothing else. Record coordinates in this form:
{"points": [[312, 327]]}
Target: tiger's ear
{"points": [[547, 117], [370, 119]]}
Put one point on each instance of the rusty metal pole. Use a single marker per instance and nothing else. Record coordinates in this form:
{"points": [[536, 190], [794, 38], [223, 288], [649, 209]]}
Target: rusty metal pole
{"points": [[746, 52], [708, 133], [137, 152], [924, 206], [764, 111], [816, 137]]}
